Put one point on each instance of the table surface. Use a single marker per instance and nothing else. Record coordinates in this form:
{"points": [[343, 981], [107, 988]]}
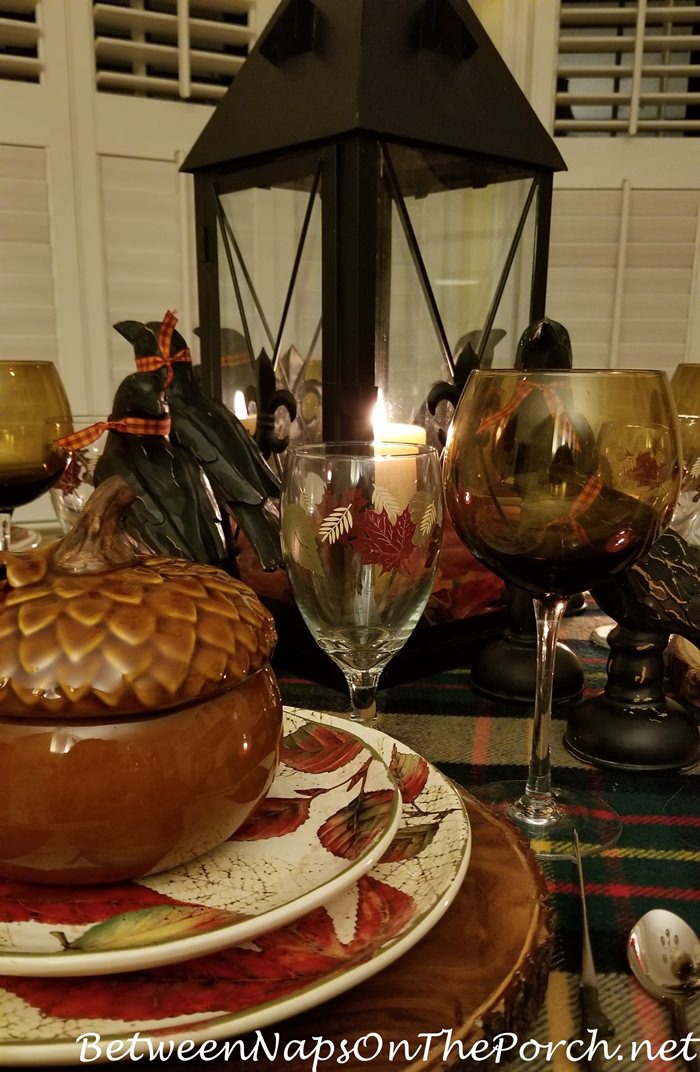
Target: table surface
{"points": [[656, 863]]}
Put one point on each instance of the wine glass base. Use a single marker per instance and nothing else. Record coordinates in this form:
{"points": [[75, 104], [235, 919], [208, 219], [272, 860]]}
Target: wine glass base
{"points": [[552, 838]]}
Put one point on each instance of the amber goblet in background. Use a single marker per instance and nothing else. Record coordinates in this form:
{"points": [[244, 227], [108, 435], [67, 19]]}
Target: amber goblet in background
{"points": [[685, 384], [34, 411]]}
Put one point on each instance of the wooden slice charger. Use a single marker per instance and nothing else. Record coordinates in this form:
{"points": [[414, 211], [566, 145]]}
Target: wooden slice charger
{"points": [[683, 669], [480, 971]]}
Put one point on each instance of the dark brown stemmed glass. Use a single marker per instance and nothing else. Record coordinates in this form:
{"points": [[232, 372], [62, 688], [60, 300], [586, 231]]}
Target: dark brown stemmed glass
{"points": [[556, 481], [34, 411]]}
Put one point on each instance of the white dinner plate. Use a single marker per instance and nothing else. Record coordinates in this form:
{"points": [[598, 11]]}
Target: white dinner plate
{"points": [[332, 810], [345, 940]]}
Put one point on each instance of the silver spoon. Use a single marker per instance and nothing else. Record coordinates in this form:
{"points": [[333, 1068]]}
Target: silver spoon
{"points": [[664, 955]]}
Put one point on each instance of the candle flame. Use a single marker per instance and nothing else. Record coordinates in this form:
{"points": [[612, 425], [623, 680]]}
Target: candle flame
{"points": [[386, 431], [239, 407], [379, 421]]}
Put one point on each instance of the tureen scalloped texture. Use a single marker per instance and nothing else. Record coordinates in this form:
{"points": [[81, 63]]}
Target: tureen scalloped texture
{"points": [[135, 633]]}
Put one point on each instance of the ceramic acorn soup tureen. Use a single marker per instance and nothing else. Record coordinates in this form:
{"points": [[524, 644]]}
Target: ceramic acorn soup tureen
{"points": [[140, 721]]}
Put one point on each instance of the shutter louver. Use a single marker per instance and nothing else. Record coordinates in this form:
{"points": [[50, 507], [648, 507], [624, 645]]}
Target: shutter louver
{"points": [[19, 41], [628, 68], [621, 274], [142, 244], [27, 303], [170, 48]]}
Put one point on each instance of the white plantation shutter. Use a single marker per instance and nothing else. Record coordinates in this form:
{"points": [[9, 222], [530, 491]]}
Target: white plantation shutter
{"points": [[171, 48], [616, 82], [20, 41], [27, 309], [582, 269], [622, 274], [146, 247], [628, 66], [99, 103]]}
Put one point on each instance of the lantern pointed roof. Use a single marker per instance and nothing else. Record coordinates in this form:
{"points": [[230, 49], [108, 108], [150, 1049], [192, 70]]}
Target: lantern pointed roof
{"points": [[422, 72]]}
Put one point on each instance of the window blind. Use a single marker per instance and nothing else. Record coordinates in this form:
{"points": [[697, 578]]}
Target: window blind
{"points": [[628, 67]]}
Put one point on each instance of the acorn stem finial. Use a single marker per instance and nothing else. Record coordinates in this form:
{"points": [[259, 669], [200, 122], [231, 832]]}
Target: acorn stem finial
{"points": [[97, 543]]}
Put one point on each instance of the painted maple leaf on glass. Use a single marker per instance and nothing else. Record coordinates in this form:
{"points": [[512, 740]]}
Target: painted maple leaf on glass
{"points": [[381, 543], [361, 531]]}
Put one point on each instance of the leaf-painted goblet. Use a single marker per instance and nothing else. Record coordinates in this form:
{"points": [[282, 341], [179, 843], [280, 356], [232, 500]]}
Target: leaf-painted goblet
{"points": [[361, 531]]}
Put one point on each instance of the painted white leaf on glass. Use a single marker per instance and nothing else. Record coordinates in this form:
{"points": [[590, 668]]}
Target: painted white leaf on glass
{"points": [[384, 500], [299, 540], [336, 524], [314, 490], [423, 511]]}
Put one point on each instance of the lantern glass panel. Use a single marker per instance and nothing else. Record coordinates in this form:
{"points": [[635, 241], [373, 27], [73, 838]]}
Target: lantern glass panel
{"points": [[462, 258], [270, 294], [454, 258]]}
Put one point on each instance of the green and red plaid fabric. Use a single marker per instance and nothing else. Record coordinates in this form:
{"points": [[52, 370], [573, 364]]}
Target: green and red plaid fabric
{"points": [[159, 426], [164, 359], [656, 863]]}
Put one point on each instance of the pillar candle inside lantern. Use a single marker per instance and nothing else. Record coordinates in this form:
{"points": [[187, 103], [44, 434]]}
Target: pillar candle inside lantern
{"points": [[390, 432], [248, 420], [392, 474]]}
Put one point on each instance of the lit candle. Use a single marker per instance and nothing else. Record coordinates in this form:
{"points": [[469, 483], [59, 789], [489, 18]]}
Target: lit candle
{"points": [[391, 432], [248, 420], [397, 476]]}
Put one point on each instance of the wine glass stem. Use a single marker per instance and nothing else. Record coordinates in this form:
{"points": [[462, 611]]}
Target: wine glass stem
{"points": [[537, 801], [5, 529], [363, 695]]}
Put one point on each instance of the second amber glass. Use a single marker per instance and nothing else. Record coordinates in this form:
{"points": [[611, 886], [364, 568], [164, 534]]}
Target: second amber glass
{"points": [[556, 481]]}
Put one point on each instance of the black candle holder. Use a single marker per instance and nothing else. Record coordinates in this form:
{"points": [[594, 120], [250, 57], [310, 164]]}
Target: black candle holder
{"points": [[506, 668], [632, 725]]}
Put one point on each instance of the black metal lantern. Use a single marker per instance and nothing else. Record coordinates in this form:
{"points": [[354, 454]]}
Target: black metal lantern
{"points": [[372, 201], [373, 189]]}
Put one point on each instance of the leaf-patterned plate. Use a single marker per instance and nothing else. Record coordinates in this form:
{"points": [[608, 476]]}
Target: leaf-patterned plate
{"points": [[331, 812], [340, 943]]}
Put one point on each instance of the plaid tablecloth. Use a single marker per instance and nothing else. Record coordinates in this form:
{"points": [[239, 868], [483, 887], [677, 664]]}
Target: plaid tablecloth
{"points": [[656, 862]]}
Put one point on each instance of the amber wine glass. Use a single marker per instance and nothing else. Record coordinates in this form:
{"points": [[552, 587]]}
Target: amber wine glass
{"points": [[361, 531], [34, 411], [534, 492]]}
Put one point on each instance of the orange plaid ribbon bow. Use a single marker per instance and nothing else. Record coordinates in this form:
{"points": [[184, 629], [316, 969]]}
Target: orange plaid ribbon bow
{"points": [[593, 486], [132, 425], [585, 498], [164, 358], [552, 400]]}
